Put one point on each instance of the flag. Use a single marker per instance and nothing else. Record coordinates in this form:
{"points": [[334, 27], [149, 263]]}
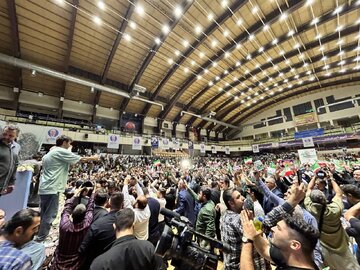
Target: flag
{"points": [[272, 165], [248, 160], [315, 166], [338, 165], [288, 170], [157, 163]]}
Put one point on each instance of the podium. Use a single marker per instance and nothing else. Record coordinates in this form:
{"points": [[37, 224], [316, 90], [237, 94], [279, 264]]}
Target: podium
{"points": [[18, 199]]}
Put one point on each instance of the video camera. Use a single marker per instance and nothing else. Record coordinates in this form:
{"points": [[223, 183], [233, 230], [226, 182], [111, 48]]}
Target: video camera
{"points": [[180, 247]]}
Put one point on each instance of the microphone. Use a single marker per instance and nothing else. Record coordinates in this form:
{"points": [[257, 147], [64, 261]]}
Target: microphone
{"points": [[169, 213]]}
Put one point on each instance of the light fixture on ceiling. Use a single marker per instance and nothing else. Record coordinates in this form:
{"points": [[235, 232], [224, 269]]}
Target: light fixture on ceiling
{"points": [[266, 27], [296, 46], [338, 9], [178, 11], [269, 59], [261, 49], [224, 3], [111, 108], [248, 57], [210, 17], [157, 40], [226, 33], [80, 102], [227, 54], [275, 41], [185, 43], [217, 78], [92, 90], [127, 37], [139, 9], [165, 29], [226, 72], [239, 22], [206, 71], [211, 83], [214, 64], [201, 54], [238, 45], [170, 61], [62, 98], [33, 73], [318, 36], [193, 62], [314, 21], [198, 29], [251, 37], [342, 62], [340, 42], [339, 28], [287, 62], [213, 43], [199, 77], [40, 94], [132, 24], [97, 20], [291, 33], [283, 16], [238, 63], [186, 70], [101, 5]]}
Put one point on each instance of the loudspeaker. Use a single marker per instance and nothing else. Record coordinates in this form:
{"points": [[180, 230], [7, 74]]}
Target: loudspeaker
{"points": [[86, 135]]}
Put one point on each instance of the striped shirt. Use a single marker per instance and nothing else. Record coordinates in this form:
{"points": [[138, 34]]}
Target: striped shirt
{"points": [[12, 258]]}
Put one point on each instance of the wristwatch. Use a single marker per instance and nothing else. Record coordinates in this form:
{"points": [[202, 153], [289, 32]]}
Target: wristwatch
{"points": [[246, 240]]}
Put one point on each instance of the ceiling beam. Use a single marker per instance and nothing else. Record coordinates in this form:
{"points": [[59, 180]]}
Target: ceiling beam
{"points": [[307, 90], [68, 53], [300, 30], [225, 110], [114, 48], [274, 98], [293, 4], [214, 25], [173, 22], [16, 52]]}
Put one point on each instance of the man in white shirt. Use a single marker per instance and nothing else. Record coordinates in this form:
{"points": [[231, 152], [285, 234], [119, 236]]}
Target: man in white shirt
{"points": [[140, 208]]}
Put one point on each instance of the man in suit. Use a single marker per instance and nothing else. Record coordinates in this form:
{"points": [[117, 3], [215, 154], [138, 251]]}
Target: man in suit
{"points": [[268, 205], [185, 203]]}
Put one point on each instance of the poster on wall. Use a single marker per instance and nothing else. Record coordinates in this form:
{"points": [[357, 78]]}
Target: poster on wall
{"points": [[307, 156], [308, 142], [227, 150], [165, 143], [255, 148], [175, 143], [213, 149], [113, 141], [154, 142], [202, 148], [52, 133], [136, 143], [131, 124]]}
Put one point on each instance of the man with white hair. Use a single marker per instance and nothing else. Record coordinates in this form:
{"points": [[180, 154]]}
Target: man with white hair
{"points": [[8, 159], [268, 205]]}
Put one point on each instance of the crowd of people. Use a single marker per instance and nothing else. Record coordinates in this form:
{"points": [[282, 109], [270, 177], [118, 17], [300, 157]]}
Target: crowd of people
{"points": [[268, 209]]}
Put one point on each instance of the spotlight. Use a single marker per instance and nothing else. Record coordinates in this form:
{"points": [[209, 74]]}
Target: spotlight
{"points": [[33, 73]]}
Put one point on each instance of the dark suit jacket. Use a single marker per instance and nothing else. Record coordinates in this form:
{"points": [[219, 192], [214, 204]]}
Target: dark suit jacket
{"points": [[99, 212], [269, 205], [186, 206]]}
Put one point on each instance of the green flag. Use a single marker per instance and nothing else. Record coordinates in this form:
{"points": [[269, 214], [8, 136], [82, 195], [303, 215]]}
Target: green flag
{"points": [[315, 166]]}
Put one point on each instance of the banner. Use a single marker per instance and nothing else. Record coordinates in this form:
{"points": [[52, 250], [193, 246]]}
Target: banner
{"points": [[309, 133], [202, 148], [308, 142], [307, 156], [255, 148], [175, 143], [213, 149], [227, 150], [52, 133], [136, 143], [305, 119], [154, 142], [113, 141], [165, 143]]}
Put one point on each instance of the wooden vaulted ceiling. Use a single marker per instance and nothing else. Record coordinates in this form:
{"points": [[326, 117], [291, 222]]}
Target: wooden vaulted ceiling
{"points": [[234, 58]]}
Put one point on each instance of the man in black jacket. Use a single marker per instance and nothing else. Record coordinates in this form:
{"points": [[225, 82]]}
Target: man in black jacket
{"points": [[101, 233], [127, 252]]}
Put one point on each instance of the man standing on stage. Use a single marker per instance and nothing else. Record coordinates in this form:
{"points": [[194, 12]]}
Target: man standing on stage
{"points": [[53, 181]]}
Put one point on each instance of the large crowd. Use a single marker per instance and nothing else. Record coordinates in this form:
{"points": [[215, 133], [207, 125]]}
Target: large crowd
{"points": [[104, 211]]}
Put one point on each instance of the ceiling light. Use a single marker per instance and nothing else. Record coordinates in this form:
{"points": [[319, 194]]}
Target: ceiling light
{"points": [[226, 72], [283, 16], [220, 88], [236, 97], [286, 80], [101, 5], [227, 54], [139, 10], [290, 86], [292, 70], [356, 59], [302, 56], [255, 9], [257, 65], [248, 97], [267, 88], [276, 84], [97, 20], [247, 71], [318, 36], [300, 82], [60, 2], [213, 43], [243, 84], [280, 89], [296, 76], [296, 46], [338, 9], [342, 70], [271, 93], [206, 71], [270, 79], [311, 78], [357, 48], [340, 42], [217, 78], [235, 79], [227, 84], [269, 59], [170, 61], [326, 67], [226, 33], [178, 12], [322, 48], [201, 55], [192, 62], [357, 67], [228, 94], [211, 83], [251, 37], [357, 21], [291, 32], [254, 101], [224, 3], [92, 90], [238, 46], [275, 41], [306, 64], [261, 49], [242, 101], [314, 21], [328, 74], [341, 53], [186, 70], [281, 52], [33, 73], [238, 64], [210, 17], [239, 22], [287, 61], [309, 2], [275, 67], [248, 57], [198, 77], [214, 64], [342, 62], [339, 28], [281, 74], [177, 53], [198, 29], [132, 24], [266, 27], [185, 43], [308, 72], [165, 29], [157, 40], [127, 37]]}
